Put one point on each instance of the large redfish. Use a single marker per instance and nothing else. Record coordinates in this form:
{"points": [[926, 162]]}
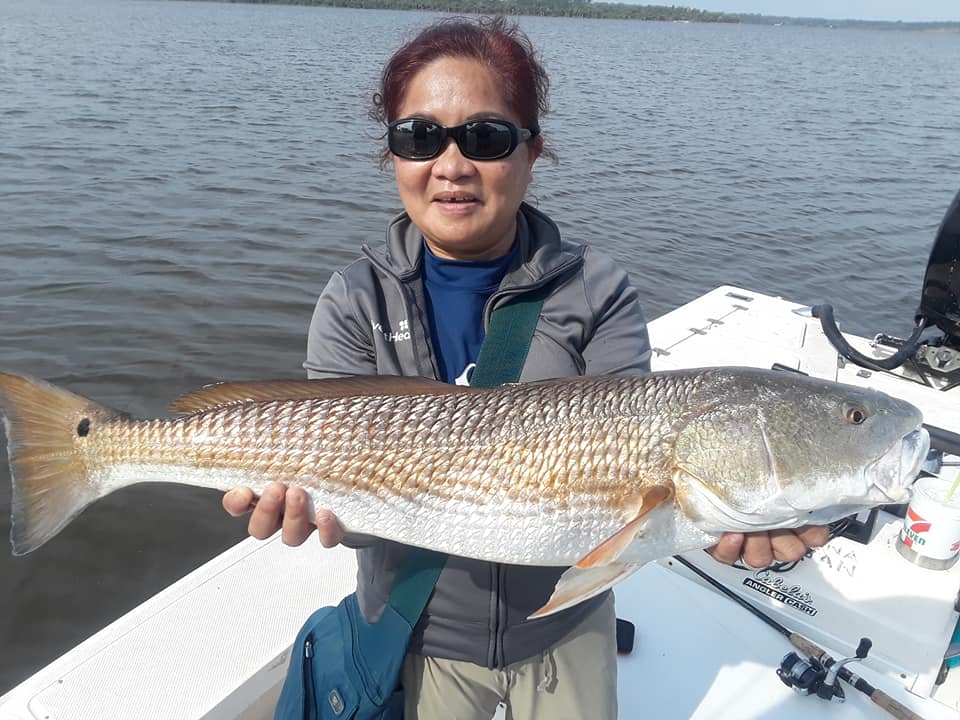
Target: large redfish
{"points": [[602, 473]]}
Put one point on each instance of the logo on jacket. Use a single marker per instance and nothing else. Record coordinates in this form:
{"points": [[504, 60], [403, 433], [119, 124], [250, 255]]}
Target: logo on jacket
{"points": [[402, 333]]}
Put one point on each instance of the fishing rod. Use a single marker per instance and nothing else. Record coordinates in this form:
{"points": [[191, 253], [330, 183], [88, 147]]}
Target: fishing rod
{"points": [[818, 674]]}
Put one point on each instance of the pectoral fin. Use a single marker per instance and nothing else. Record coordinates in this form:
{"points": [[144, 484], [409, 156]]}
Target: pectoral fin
{"points": [[599, 569], [577, 585], [611, 548]]}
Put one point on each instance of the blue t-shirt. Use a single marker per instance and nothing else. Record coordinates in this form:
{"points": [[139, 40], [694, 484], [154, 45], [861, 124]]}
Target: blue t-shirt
{"points": [[456, 293]]}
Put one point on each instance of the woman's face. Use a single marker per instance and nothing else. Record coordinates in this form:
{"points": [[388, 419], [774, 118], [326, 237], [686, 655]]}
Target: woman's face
{"points": [[466, 209]]}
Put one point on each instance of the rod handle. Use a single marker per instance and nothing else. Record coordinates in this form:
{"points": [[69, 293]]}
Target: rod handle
{"points": [[808, 648], [897, 710]]}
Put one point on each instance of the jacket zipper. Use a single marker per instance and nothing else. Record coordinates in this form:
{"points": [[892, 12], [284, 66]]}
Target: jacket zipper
{"points": [[309, 691], [501, 571], [493, 645]]}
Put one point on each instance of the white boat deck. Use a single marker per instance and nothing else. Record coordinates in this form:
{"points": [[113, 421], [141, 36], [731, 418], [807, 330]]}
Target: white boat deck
{"points": [[215, 644]]}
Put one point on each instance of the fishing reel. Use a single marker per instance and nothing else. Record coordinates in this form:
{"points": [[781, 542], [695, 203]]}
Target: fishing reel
{"points": [[812, 677]]}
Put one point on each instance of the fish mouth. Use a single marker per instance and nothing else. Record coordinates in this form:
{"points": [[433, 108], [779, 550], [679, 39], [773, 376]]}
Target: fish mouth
{"points": [[896, 469]]}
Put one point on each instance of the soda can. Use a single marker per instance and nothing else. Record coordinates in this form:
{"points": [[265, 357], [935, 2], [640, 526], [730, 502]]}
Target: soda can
{"points": [[930, 536]]}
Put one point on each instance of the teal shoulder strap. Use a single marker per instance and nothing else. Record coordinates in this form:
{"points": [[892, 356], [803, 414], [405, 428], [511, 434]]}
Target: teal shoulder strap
{"points": [[415, 581], [507, 341], [502, 354]]}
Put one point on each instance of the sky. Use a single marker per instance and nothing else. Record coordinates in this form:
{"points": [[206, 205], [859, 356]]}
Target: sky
{"points": [[906, 10]]}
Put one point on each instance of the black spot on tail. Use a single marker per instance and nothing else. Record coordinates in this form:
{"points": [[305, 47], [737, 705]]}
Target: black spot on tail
{"points": [[83, 429]]}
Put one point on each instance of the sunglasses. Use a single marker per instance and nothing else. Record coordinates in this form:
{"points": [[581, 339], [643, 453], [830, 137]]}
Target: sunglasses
{"points": [[489, 139]]}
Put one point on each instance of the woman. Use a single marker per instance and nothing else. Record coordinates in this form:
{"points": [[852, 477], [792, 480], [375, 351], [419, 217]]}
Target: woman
{"points": [[462, 105]]}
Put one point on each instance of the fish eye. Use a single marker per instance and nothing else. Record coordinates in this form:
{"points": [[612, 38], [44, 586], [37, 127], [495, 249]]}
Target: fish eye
{"points": [[856, 416]]}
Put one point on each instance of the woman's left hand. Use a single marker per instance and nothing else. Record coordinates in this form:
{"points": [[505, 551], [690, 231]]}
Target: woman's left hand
{"points": [[760, 549]]}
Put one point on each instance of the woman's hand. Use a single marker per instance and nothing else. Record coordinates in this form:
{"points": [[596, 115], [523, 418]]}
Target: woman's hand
{"points": [[758, 550], [282, 507]]}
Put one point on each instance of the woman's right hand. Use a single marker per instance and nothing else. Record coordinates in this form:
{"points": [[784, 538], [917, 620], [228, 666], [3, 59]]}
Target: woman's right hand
{"points": [[282, 507]]}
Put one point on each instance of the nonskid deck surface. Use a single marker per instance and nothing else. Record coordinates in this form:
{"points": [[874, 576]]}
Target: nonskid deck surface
{"points": [[215, 644]]}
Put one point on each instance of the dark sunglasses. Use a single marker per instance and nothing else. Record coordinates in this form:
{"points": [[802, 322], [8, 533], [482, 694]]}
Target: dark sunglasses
{"points": [[487, 139]]}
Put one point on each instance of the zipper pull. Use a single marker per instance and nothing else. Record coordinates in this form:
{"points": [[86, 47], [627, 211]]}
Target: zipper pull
{"points": [[308, 649]]}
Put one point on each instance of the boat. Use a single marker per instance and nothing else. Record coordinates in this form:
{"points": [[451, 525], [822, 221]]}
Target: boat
{"points": [[216, 644]]}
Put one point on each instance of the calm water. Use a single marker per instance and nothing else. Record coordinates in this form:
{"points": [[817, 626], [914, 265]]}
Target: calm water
{"points": [[177, 181]]}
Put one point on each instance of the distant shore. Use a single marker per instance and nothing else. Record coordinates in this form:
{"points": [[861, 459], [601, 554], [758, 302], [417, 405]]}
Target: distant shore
{"points": [[621, 11]]}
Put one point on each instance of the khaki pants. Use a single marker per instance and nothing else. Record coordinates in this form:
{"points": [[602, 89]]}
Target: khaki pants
{"points": [[574, 679]]}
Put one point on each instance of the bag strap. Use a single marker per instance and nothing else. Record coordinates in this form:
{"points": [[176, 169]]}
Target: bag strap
{"points": [[502, 354], [507, 342], [415, 581]]}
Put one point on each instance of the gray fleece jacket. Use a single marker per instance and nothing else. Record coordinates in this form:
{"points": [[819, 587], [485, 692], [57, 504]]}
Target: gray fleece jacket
{"points": [[371, 320]]}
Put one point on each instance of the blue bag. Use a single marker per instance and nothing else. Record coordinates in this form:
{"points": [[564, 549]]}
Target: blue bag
{"points": [[330, 678], [345, 668]]}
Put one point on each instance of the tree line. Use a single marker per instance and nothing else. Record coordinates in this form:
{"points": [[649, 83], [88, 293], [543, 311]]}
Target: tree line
{"points": [[614, 10], [563, 8]]}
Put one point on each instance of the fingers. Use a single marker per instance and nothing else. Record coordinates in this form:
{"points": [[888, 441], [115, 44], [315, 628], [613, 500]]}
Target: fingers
{"points": [[283, 509], [791, 545], [297, 524], [753, 549], [787, 546], [239, 501], [814, 535], [267, 516], [727, 550], [757, 550], [328, 528]]}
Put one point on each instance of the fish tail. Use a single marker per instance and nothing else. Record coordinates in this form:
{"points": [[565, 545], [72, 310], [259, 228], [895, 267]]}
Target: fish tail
{"points": [[46, 428]]}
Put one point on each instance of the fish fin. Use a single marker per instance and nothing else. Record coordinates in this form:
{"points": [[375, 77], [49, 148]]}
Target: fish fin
{"points": [[232, 393], [611, 548], [51, 484], [577, 585]]}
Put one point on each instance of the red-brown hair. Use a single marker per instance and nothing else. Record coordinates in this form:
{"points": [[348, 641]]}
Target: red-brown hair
{"points": [[494, 42]]}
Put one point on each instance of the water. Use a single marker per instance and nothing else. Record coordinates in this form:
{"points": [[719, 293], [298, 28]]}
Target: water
{"points": [[178, 180]]}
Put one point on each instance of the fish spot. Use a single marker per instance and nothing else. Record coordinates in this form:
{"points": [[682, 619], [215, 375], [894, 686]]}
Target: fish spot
{"points": [[83, 429]]}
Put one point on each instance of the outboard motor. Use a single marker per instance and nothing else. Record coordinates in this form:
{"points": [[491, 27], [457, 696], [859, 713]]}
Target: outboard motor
{"points": [[939, 307], [940, 299]]}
